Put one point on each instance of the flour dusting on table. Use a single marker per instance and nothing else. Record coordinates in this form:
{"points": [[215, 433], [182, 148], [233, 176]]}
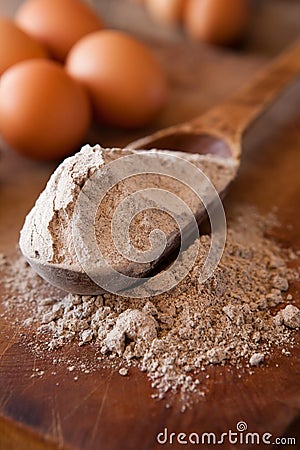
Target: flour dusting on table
{"points": [[237, 317]]}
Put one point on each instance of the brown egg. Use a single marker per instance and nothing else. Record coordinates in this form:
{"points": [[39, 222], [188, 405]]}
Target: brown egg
{"points": [[16, 45], [216, 21], [168, 12], [126, 84], [58, 24], [44, 114]]}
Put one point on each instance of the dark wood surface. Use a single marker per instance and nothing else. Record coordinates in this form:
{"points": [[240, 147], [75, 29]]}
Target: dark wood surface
{"points": [[103, 410]]}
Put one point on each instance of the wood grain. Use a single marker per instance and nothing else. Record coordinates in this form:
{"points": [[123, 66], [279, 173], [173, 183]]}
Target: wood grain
{"points": [[103, 410]]}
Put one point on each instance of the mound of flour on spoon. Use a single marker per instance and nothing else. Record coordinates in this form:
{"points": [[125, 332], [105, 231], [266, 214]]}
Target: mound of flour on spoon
{"points": [[47, 236]]}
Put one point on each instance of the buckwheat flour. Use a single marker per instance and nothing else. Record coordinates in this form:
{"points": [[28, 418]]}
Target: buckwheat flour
{"points": [[47, 233], [236, 318]]}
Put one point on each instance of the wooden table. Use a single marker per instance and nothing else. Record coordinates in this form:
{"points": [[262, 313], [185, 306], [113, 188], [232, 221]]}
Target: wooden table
{"points": [[103, 410]]}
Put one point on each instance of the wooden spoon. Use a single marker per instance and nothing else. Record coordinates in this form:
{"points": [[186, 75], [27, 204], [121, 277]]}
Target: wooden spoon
{"points": [[219, 132]]}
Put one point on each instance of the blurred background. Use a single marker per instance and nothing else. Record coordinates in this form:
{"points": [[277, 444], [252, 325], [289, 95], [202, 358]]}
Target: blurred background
{"points": [[134, 16], [202, 69]]}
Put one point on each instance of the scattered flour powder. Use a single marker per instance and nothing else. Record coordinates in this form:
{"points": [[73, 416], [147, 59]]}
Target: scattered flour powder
{"points": [[235, 318]]}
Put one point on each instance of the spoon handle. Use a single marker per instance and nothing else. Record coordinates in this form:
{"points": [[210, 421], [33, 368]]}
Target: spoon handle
{"points": [[231, 118]]}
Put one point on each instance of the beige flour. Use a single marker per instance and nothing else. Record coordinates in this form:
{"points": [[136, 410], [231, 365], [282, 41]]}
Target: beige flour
{"points": [[47, 232], [236, 318]]}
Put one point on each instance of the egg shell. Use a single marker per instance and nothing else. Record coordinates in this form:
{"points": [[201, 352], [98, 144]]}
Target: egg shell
{"points": [[44, 114], [221, 22], [127, 86], [58, 24], [167, 12], [16, 45]]}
